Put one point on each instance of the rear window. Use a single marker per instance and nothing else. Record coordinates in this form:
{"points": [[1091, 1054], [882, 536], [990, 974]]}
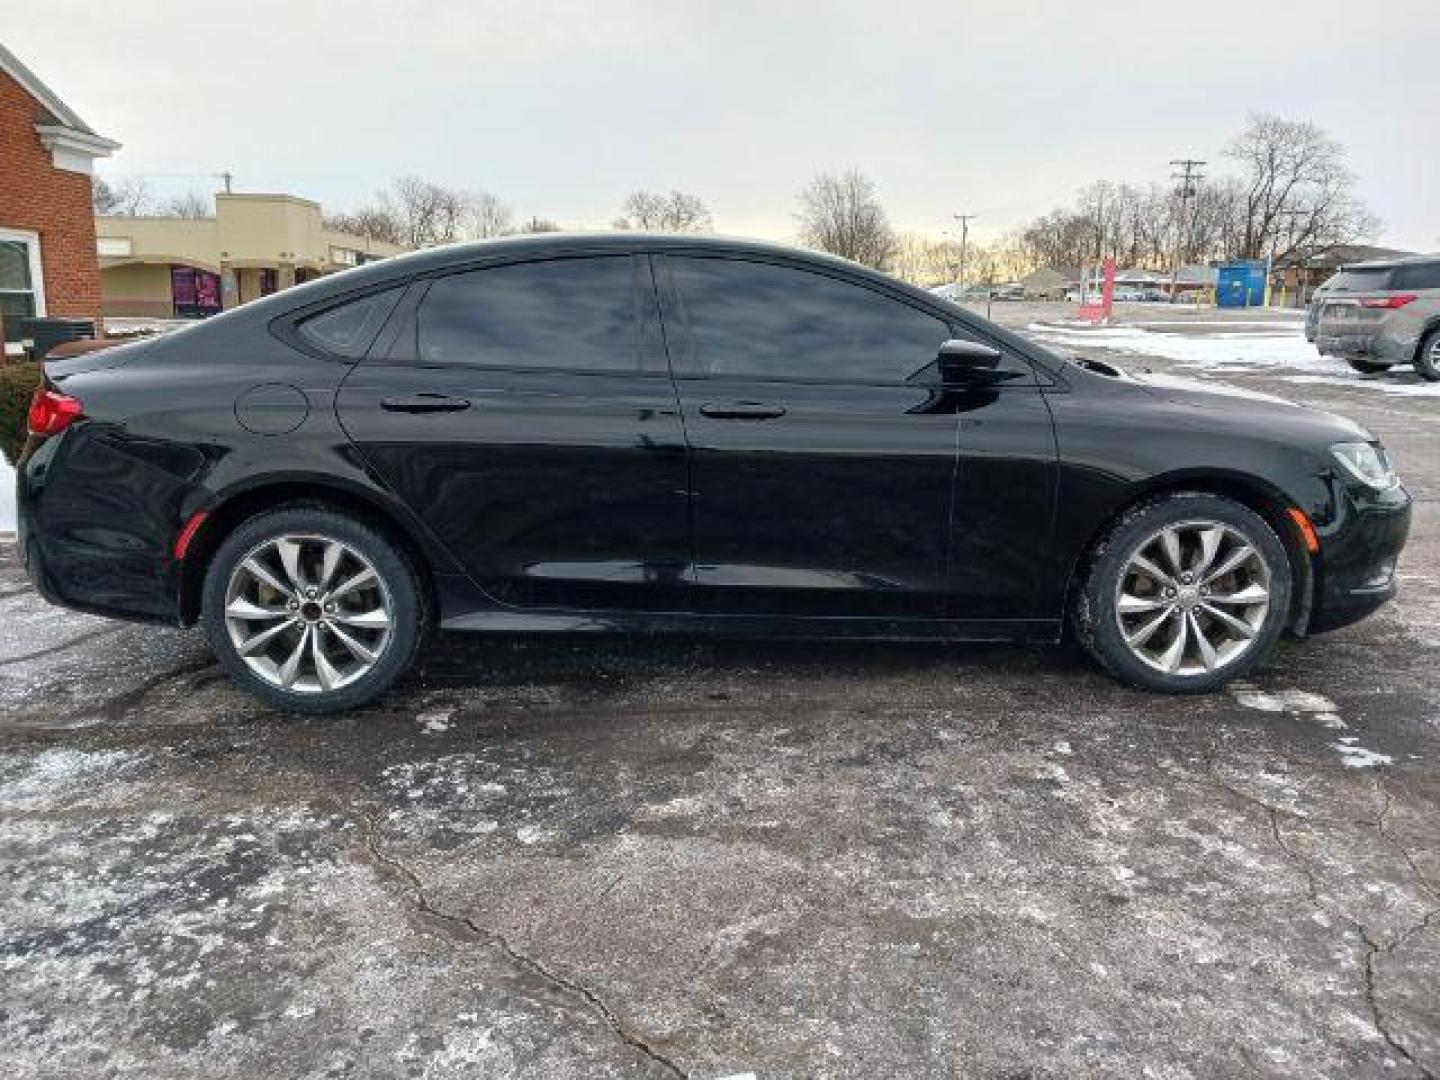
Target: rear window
{"points": [[349, 329], [1417, 276], [1367, 279]]}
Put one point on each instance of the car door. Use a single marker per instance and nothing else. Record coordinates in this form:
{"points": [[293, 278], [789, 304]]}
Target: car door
{"points": [[526, 414], [831, 473]]}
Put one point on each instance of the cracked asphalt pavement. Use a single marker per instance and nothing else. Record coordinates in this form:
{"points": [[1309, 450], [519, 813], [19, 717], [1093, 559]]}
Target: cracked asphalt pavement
{"points": [[632, 857]]}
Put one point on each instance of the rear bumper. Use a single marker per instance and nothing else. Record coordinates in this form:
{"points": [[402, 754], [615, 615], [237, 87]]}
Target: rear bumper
{"points": [[90, 541], [1356, 572], [1381, 345]]}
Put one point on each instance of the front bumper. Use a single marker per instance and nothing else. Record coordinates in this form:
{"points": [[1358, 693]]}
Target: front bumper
{"points": [[1355, 573]]}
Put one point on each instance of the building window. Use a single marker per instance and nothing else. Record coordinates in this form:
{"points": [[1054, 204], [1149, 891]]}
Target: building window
{"points": [[22, 286], [196, 293]]}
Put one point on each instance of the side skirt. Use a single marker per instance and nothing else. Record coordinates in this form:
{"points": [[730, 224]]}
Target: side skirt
{"points": [[1035, 631]]}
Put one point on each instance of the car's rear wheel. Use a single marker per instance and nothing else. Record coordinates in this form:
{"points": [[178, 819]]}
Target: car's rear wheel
{"points": [[1184, 593], [1367, 367], [1427, 360], [312, 610]]}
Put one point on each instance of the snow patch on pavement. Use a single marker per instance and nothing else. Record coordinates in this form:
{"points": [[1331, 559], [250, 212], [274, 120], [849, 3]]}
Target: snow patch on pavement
{"points": [[7, 497], [1357, 757], [1282, 352], [1316, 707], [436, 721]]}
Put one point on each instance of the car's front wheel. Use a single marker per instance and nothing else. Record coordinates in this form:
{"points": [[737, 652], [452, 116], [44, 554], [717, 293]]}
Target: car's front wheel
{"points": [[312, 610], [1184, 593]]}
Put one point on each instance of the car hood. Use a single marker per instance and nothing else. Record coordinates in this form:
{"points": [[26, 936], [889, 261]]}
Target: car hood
{"points": [[1250, 408]]}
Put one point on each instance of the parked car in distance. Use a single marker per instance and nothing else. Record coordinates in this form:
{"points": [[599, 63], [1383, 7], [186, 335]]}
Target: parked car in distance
{"points": [[1379, 314], [1010, 292], [679, 434], [1155, 296]]}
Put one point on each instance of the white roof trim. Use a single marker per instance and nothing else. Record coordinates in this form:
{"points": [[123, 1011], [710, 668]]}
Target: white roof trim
{"points": [[67, 117], [53, 136]]}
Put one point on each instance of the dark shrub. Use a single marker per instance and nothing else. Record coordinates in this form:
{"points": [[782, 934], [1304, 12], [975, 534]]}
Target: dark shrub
{"points": [[17, 386]]}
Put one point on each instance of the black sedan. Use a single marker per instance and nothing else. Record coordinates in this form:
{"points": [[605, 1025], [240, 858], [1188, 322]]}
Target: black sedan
{"points": [[631, 433]]}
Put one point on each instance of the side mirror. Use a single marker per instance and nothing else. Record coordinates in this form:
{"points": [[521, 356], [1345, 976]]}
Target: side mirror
{"points": [[967, 362]]}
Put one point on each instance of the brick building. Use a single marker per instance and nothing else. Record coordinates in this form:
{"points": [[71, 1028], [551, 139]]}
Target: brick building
{"points": [[48, 262]]}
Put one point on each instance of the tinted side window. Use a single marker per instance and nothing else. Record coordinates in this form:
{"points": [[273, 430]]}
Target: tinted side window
{"points": [[748, 318], [1418, 276], [563, 313], [349, 329]]}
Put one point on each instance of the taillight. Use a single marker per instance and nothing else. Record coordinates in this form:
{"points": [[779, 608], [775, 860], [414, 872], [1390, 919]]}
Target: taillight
{"points": [[51, 412], [1399, 300]]}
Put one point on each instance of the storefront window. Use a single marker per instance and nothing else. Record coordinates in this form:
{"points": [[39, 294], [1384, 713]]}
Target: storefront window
{"points": [[196, 292]]}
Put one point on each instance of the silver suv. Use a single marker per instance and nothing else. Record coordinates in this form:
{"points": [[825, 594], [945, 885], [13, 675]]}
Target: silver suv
{"points": [[1379, 314]]}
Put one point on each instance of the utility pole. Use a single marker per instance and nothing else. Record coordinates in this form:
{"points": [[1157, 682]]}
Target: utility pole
{"points": [[1189, 176], [964, 220]]}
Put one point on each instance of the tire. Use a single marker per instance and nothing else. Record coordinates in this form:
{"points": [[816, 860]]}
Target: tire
{"points": [[1427, 357], [1102, 627], [368, 609], [1367, 367]]}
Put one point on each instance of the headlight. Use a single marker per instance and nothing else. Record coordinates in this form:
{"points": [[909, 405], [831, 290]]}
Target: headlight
{"points": [[1367, 463]]}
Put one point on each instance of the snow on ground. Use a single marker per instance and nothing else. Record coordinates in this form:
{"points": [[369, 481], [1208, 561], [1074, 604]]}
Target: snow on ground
{"points": [[7, 497], [1280, 351]]}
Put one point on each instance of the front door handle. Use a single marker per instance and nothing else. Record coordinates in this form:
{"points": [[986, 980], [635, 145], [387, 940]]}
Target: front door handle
{"points": [[424, 403], [742, 410]]}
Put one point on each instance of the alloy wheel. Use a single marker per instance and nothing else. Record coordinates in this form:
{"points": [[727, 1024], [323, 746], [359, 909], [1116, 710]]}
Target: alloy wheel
{"points": [[1192, 598], [308, 614]]}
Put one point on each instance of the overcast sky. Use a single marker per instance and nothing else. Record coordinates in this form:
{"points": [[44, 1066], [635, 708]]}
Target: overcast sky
{"points": [[1001, 108]]}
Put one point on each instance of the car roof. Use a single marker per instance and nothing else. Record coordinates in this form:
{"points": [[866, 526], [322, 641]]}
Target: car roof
{"points": [[540, 244], [378, 275], [1391, 264]]}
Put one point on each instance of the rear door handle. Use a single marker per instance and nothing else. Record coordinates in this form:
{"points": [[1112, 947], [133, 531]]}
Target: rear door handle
{"points": [[424, 403], [742, 410]]}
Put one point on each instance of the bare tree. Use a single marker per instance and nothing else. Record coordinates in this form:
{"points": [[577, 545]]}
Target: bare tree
{"points": [[926, 261], [127, 197], [192, 205], [655, 212], [372, 222], [1298, 190], [486, 216], [842, 215], [537, 224], [428, 213]]}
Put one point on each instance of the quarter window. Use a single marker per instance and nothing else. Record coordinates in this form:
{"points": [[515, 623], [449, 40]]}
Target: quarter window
{"points": [[1417, 276], [349, 329], [759, 319], [576, 314]]}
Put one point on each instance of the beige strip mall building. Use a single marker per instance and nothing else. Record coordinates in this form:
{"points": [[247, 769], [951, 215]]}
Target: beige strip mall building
{"points": [[166, 267]]}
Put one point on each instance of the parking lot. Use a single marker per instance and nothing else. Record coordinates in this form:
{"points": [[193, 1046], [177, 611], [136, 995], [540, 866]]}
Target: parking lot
{"points": [[596, 857]]}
